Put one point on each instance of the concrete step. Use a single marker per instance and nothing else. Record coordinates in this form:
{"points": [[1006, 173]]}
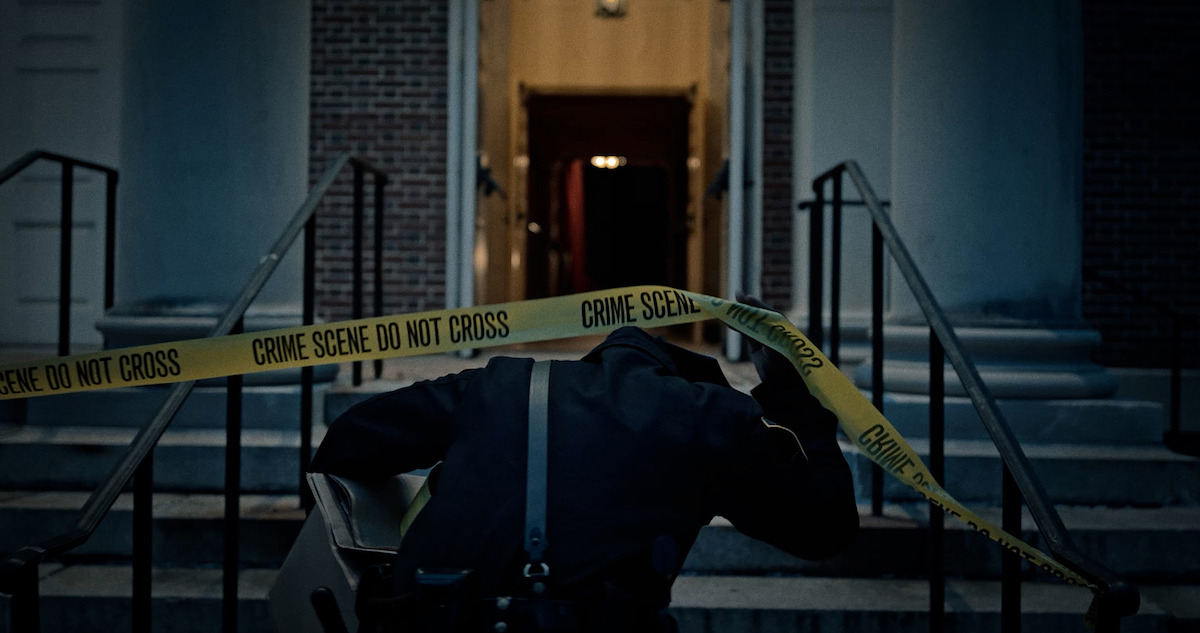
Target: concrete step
{"points": [[1119, 421], [1072, 474], [758, 604], [263, 407], [1139, 544], [86, 598], [188, 528], [78, 458], [1101, 421], [97, 598], [1156, 544], [1106, 452]]}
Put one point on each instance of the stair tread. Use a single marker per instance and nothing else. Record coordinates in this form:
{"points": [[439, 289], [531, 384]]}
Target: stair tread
{"points": [[875, 594], [175, 582], [109, 435], [122, 436], [1033, 450], [916, 515], [894, 595], [736, 592], [167, 505], [199, 506]]}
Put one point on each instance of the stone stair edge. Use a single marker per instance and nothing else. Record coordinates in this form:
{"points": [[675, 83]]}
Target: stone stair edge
{"points": [[896, 515], [101, 436], [263, 406], [188, 530], [691, 591], [122, 436]]}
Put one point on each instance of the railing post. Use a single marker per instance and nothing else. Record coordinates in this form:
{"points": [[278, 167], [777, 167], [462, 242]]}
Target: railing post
{"points": [[110, 236], [25, 614], [20, 410], [233, 488], [143, 542], [64, 279], [835, 273], [1010, 562], [306, 373], [1173, 406], [816, 262], [1106, 622], [876, 355], [937, 468], [380, 181], [356, 255]]}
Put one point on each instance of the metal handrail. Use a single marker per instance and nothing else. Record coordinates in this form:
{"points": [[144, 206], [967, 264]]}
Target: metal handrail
{"points": [[19, 571], [32, 157], [69, 164], [1115, 598], [19, 409]]}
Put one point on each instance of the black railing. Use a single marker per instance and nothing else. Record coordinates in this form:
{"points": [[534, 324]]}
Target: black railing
{"points": [[66, 220], [19, 571], [1115, 599]]}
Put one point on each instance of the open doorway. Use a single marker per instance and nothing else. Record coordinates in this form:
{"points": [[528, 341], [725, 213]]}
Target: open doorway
{"points": [[558, 83], [607, 192]]}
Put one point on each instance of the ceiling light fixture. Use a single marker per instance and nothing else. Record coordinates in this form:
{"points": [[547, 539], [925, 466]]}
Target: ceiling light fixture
{"points": [[608, 162]]}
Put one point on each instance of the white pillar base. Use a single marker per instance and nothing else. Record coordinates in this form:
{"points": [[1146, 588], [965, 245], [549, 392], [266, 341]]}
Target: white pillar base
{"points": [[1015, 363], [148, 325]]}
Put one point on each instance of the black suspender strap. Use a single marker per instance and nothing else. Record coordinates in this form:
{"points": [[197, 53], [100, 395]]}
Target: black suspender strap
{"points": [[535, 473]]}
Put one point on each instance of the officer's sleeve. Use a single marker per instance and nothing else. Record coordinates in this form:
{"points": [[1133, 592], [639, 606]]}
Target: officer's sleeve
{"points": [[790, 485], [394, 432]]}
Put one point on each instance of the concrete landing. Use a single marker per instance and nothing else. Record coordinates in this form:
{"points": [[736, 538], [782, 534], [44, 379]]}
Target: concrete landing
{"points": [[84, 598]]}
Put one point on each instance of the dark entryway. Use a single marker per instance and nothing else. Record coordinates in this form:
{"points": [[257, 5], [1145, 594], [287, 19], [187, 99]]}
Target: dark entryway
{"points": [[604, 225]]}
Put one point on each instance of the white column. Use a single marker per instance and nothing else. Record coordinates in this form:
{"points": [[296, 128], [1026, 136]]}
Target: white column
{"points": [[743, 229], [462, 144], [842, 109], [986, 191], [214, 162]]}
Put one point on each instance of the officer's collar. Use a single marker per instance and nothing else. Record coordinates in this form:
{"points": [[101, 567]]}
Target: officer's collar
{"points": [[682, 362]]}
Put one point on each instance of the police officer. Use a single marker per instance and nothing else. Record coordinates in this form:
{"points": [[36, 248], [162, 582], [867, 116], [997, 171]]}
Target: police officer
{"points": [[647, 442]]}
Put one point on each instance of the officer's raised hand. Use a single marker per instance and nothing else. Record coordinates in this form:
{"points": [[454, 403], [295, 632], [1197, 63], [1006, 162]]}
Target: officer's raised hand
{"points": [[770, 364], [784, 395]]}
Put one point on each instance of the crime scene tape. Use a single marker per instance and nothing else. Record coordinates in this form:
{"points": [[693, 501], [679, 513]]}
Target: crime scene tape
{"points": [[528, 321]]}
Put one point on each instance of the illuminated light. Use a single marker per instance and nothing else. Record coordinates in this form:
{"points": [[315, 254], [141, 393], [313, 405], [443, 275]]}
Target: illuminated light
{"points": [[480, 258], [535, 228], [609, 162], [610, 8]]}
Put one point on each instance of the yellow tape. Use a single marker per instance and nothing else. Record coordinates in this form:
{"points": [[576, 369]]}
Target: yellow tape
{"points": [[504, 324]]}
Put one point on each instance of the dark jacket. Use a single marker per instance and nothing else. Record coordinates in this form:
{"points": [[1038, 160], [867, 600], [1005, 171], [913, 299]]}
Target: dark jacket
{"points": [[646, 440]]}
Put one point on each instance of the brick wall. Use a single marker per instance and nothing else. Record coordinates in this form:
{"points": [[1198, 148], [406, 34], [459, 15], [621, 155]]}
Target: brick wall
{"points": [[777, 154], [1141, 184], [379, 92]]}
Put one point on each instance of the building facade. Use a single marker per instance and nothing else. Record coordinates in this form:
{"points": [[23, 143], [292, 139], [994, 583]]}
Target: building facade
{"points": [[397, 83]]}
